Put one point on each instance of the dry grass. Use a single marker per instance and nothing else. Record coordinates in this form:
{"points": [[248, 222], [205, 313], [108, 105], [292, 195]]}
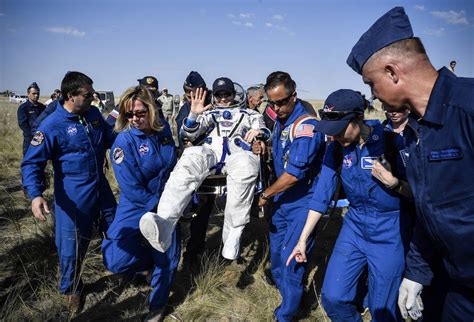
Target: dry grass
{"points": [[29, 264]]}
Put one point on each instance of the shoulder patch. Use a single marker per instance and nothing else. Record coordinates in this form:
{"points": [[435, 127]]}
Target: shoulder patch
{"points": [[118, 155], [38, 138], [304, 130]]}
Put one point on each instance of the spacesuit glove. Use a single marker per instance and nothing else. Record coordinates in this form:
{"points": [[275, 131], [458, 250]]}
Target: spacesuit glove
{"points": [[409, 300]]}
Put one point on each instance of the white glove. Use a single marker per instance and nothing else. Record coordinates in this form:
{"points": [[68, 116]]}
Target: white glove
{"points": [[409, 300]]}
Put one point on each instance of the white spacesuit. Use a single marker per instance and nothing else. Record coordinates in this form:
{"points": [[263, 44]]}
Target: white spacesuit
{"points": [[224, 150]]}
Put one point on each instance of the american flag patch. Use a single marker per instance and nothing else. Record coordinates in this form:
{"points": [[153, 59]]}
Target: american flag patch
{"points": [[304, 130], [114, 113]]}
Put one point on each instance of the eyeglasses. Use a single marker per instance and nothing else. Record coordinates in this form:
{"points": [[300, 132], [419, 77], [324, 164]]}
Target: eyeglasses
{"points": [[88, 95], [335, 115], [138, 114], [223, 95], [281, 102]]}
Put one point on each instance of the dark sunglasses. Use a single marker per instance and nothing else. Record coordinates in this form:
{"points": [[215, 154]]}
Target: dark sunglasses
{"points": [[222, 95], [281, 102], [139, 114], [87, 95], [335, 115]]}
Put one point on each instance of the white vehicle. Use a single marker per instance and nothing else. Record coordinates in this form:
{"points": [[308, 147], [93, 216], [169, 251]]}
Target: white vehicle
{"points": [[17, 98]]}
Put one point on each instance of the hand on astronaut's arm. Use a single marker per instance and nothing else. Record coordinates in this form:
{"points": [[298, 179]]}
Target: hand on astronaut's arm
{"points": [[382, 172], [409, 299], [252, 134], [299, 252], [36, 205], [198, 100]]}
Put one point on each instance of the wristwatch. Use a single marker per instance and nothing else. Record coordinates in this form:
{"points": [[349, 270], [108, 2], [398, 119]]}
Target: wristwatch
{"points": [[264, 196]]}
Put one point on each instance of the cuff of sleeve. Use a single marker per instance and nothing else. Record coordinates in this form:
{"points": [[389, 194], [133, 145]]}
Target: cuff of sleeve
{"points": [[294, 171], [34, 193], [152, 204], [266, 133], [190, 125], [318, 206], [417, 277]]}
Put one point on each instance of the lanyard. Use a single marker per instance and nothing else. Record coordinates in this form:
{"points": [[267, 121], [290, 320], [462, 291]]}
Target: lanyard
{"points": [[83, 121]]}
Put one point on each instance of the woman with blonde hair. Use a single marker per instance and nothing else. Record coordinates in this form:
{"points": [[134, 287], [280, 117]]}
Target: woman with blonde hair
{"points": [[143, 156]]}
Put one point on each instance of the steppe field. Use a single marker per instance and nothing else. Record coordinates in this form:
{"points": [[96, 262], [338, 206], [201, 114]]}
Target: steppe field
{"points": [[214, 292]]}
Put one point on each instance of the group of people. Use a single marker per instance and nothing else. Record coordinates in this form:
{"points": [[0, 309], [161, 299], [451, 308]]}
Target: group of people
{"points": [[419, 159]]}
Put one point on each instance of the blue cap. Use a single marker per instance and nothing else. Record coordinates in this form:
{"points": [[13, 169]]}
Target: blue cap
{"points": [[194, 80], [391, 27], [223, 84], [343, 100]]}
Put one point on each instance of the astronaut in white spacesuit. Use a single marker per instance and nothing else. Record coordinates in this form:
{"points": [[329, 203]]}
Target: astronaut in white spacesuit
{"points": [[229, 130]]}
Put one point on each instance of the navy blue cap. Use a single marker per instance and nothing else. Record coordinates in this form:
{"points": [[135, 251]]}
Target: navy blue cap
{"points": [[391, 27], [33, 85], [343, 100], [223, 84], [149, 81], [194, 80]]}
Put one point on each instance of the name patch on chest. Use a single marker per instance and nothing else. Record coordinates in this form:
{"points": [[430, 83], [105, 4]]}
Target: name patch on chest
{"points": [[367, 163], [446, 154]]}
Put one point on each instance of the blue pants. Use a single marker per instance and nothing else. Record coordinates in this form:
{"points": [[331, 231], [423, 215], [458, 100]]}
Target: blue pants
{"points": [[371, 239], [133, 254], [287, 224]]}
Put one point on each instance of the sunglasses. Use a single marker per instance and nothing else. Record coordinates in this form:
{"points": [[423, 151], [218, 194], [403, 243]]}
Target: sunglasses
{"points": [[281, 102], [139, 114], [87, 95], [335, 115], [223, 95]]}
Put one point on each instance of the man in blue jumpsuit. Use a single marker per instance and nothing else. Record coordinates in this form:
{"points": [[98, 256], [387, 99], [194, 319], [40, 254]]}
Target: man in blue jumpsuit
{"points": [[374, 226], [75, 137], [440, 169], [142, 162], [27, 114], [297, 155]]}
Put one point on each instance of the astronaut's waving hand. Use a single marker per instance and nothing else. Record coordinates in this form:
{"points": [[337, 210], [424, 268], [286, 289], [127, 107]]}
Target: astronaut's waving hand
{"points": [[197, 101]]}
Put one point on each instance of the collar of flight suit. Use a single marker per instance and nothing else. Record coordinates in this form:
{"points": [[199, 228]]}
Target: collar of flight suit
{"points": [[67, 114], [440, 97]]}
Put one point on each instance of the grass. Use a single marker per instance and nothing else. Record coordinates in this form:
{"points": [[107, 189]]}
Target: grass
{"points": [[29, 264]]}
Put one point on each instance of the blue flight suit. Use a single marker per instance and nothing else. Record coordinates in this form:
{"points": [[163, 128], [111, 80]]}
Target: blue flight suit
{"points": [[440, 173], [301, 158], [371, 233], [76, 145], [142, 165], [27, 114]]}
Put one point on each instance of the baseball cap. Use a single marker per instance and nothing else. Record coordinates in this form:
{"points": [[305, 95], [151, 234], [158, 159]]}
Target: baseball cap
{"points": [[391, 27], [223, 84], [149, 81], [340, 108]]}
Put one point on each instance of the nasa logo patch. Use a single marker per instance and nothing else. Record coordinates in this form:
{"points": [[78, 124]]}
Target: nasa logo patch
{"points": [[347, 161], [143, 149], [71, 130]]}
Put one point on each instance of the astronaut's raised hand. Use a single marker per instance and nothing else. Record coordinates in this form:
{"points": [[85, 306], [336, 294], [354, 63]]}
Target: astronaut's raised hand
{"points": [[198, 99], [252, 134], [36, 205]]}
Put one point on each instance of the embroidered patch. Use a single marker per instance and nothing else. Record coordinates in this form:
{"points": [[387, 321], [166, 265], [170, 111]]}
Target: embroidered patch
{"points": [[143, 149], [71, 130], [95, 123], [404, 155], [304, 130], [375, 137], [37, 139], [118, 155], [226, 123], [347, 161], [367, 163], [284, 134], [446, 154]]}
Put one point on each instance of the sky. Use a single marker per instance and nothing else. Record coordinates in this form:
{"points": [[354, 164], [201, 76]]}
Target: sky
{"points": [[115, 42]]}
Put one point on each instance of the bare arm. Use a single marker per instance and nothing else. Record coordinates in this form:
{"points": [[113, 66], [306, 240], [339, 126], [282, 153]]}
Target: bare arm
{"points": [[299, 252]]}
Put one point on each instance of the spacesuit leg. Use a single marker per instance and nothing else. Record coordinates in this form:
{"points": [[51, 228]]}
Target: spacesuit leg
{"points": [[242, 172]]}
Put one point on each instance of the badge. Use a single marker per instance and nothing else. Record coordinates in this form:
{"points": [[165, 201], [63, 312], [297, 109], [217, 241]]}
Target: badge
{"points": [[367, 163], [143, 149], [37, 139], [71, 130], [375, 137], [347, 161], [404, 155], [95, 123], [284, 134], [226, 123], [149, 80], [118, 155], [446, 154]]}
